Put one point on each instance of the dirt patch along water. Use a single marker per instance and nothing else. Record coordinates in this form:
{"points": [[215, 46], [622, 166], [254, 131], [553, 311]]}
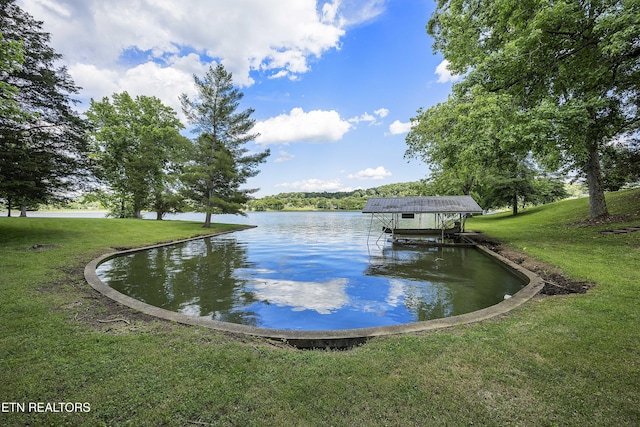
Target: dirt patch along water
{"points": [[555, 281]]}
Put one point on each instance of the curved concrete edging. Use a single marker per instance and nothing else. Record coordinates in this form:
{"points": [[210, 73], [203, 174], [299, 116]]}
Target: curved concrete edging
{"points": [[318, 339]]}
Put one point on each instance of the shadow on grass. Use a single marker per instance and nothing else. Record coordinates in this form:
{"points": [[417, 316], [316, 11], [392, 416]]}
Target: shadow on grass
{"points": [[509, 215], [19, 232]]}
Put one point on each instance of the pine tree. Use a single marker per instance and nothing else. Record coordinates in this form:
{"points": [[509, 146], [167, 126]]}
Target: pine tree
{"points": [[220, 162], [42, 152]]}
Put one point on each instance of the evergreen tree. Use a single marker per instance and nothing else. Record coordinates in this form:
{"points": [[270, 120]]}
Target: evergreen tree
{"points": [[221, 163], [42, 152], [11, 59]]}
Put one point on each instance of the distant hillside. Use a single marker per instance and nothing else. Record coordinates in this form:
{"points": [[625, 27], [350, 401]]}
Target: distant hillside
{"points": [[343, 200]]}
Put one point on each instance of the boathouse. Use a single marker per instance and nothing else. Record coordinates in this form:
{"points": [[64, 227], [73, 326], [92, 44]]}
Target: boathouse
{"points": [[422, 216]]}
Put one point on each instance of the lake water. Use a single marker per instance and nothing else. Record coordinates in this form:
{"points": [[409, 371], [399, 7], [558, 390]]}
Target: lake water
{"points": [[310, 271]]}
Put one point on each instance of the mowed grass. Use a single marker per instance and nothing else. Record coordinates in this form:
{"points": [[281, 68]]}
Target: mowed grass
{"points": [[561, 360]]}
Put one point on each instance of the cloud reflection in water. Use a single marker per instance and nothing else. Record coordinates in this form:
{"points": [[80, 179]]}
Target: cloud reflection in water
{"points": [[323, 297]]}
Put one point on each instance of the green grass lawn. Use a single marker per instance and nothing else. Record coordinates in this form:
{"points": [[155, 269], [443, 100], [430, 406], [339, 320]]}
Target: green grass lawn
{"points": [[560, 360]]}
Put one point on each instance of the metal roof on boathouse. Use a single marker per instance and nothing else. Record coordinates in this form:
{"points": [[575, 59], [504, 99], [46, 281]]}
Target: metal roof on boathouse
{"points": [[425, 204]]}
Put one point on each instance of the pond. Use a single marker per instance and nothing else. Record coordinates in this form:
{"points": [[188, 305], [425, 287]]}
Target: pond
{"points": [[310, 271]]}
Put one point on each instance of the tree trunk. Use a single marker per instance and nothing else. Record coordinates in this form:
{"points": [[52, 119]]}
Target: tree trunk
{"points": [[23, 211], [158, 216], [515, 204], [597, 201], [207, 220], [9, 207]]}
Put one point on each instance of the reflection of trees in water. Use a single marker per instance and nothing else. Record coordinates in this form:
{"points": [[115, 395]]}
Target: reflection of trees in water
{"points": [[443, 281], [197, 278], [214, 278]]}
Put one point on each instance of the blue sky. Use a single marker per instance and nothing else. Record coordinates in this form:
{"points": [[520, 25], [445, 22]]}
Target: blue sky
{"points": [[333, 83]]}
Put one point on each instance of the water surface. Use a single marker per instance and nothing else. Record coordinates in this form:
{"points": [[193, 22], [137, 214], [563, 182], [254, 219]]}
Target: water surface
{"points": [[310, 271]]}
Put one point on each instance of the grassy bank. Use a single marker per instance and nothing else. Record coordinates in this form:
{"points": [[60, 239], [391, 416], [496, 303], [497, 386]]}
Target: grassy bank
{"points": [[561, 360]]}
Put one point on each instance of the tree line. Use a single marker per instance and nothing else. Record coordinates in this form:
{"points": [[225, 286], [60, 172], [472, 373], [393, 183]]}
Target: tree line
{"points": [[128, 152], [340, 200], [541, 189]]}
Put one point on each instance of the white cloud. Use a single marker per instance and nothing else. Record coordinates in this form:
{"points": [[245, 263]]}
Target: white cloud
{"points": [[370, 173], [398, 128], [314, 184], [368, 118], [101, 82], [245, 35], [151, 79], [153, 47], [382, 112], [354, 12], [282, 73], [298, 126], [283, 156], [444, 74]]}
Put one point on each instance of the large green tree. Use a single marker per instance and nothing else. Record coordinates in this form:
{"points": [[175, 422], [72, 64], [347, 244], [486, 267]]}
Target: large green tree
{"points": [[571, 65], [42, 145], [472, 139], [467, 136], [11, 59], [137, 146], [221, 162], [476, 143]]}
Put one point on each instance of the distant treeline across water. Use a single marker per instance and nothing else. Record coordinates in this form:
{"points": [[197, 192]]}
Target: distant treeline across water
{"points": [[342, 200]]}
